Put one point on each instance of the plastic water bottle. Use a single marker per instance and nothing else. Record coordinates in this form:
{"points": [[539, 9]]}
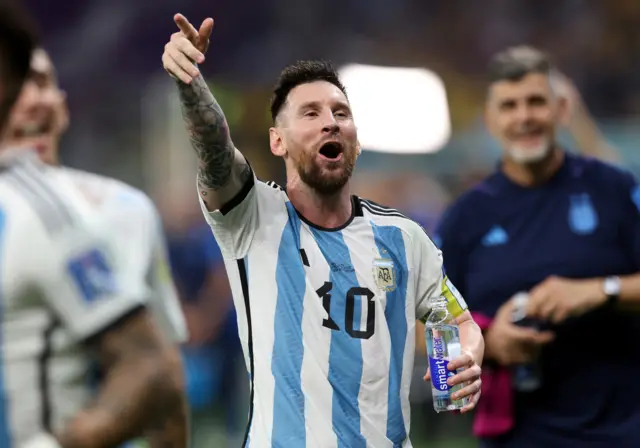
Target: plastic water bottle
{"points": [[443, 345], [525, 377]]}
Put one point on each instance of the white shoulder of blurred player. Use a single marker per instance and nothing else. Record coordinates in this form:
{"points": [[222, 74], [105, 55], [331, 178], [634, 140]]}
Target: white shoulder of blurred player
{"points": [[55, 271], [136, 237]]}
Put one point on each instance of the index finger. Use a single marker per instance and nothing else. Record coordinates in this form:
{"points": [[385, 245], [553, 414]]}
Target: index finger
{"points": [[543, 337], [185, 26], [464, 360], [204, 33]]}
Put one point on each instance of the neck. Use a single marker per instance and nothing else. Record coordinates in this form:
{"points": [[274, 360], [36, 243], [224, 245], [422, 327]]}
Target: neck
{"points": [[534, 174], [328, 211]]}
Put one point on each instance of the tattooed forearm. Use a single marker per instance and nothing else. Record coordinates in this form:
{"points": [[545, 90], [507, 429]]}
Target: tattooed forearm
{"points": [[143, 388], [208, 132]]}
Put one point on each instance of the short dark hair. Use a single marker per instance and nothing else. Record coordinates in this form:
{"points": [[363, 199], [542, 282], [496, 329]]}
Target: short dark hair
{"points": [[515, 63], [301, 72], [17, 43]]}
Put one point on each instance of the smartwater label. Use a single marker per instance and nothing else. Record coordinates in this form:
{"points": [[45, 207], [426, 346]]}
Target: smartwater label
{"points": [[438, 366]]}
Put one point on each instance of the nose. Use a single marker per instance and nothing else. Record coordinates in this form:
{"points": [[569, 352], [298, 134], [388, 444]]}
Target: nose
{"points": [[332, 128], [35, 96], [330, 125], [523, 113]]}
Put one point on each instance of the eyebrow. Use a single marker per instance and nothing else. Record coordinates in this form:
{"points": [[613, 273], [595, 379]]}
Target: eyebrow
{"points": [[310, 105], [533, 96], [316, 104]]}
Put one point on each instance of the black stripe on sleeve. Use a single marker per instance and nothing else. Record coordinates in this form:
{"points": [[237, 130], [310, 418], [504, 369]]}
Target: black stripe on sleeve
{"points": [[244, 281], [240, 196], [381, 210]]}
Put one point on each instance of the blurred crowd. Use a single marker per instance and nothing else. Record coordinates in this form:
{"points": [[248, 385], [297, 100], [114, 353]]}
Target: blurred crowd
{"points": [[125, 121]]}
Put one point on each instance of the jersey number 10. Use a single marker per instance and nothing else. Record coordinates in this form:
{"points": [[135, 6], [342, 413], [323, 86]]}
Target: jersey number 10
{"points": [[325, 293]]}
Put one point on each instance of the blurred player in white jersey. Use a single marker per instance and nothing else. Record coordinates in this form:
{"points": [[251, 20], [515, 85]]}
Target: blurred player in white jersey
{"points": [[328, 286], [133, 226], [62, 307]]}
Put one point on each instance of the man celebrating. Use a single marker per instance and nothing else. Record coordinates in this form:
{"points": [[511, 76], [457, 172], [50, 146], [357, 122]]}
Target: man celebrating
{"points": [[328, 286], [564, 229]]}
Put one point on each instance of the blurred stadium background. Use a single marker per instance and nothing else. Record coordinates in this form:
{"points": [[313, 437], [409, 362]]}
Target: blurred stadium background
{"points": [[125, 122]]}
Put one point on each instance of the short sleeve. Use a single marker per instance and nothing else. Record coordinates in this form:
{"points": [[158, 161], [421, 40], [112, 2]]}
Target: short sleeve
{"points": [[80, 284], [57, 249], [432, 281], [234, 225], [139, 250]]}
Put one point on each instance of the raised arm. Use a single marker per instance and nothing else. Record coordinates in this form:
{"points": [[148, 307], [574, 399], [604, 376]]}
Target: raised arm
{"points": [[222, 169]]}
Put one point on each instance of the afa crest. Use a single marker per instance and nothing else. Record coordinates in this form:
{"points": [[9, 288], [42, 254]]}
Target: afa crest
{"points": [[583, 217], [384, 274]]}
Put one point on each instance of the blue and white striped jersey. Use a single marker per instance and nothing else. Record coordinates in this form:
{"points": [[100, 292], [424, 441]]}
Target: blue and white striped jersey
{"points": [[327, 318]]}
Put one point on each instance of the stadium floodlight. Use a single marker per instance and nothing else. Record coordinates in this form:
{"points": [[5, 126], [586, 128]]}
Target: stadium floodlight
{"points": [[398, 110]]}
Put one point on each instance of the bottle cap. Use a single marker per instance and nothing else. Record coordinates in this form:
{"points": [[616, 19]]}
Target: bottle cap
{"points": [[520, 306]]}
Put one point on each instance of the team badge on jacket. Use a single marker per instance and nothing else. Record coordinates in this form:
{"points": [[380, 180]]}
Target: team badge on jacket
{"points": [[384, 274], [583, 218]]}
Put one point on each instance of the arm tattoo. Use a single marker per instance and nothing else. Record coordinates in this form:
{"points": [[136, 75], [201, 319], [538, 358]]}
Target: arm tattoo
{"points": [[209, 133], [142, 393]]}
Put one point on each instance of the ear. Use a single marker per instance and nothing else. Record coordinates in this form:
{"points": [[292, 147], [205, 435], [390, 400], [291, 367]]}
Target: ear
{"points": [[358, 148], [564, 111], [276, 142]]}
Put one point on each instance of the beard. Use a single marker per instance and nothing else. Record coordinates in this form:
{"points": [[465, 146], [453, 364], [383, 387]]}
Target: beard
{"points": [[526, 156], [327, 181]]}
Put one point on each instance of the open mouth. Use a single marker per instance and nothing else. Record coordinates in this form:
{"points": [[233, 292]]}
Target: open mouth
{"points": [[529, 137], [33, 130], [529, 133], [331, 150]]}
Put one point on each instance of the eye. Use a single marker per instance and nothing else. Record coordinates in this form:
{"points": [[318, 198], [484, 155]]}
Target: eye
{"points": [[311, 113], [537, 100], [507, 105]]}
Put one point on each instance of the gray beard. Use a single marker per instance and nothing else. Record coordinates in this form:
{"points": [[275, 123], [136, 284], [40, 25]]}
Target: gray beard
{"points": [[526, 157]]}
